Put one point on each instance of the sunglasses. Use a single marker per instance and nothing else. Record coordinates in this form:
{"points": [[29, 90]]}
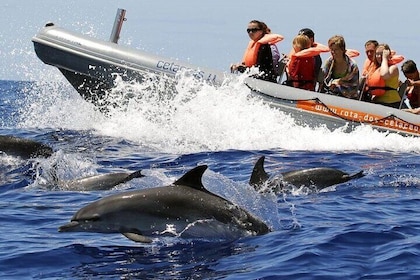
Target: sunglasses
{"points": [[252, 30]]}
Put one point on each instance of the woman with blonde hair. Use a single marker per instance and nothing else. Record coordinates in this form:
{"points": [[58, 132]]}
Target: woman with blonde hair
{"points": [[383, 83]]}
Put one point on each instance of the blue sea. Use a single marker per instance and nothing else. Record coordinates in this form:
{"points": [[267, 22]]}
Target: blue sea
{"points": [[367, 228]]}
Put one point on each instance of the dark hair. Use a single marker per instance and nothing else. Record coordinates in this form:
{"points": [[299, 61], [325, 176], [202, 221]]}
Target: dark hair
{"points": [[262, 26], [307, 31], [374, 42], [409, 67]]}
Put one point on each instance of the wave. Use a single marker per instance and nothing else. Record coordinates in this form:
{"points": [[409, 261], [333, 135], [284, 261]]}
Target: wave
{"points": [[200, 117]]}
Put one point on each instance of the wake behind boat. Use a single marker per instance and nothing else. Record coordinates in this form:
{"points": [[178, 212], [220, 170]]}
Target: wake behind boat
{"points": [[92, 67]]}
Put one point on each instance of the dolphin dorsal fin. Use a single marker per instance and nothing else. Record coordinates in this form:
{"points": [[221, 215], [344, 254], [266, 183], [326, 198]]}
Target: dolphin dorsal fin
{"points": [[258, 176], [193, 178]]}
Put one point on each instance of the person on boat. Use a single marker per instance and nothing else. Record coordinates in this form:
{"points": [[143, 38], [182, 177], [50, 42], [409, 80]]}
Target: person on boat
{"points": [[383, 83], [259, 51], [410, 71], [318, 60], [301, 69], [369, 66], [340, 71], [314, 51]]}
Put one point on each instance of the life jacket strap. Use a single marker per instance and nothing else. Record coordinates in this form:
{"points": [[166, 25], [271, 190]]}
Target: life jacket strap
{"points": [[384, 88]]}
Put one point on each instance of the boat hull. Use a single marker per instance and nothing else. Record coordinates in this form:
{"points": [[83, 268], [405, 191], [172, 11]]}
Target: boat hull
{"points": [[315, 109], [92, 66]]}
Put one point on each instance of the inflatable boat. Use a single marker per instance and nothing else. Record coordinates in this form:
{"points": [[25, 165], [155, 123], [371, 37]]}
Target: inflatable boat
{"points": [[91, 66]]}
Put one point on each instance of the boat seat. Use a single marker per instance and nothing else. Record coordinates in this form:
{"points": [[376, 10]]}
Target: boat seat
{"points": [[362, 84], [320, 80], [402, 91], [280, 69]]}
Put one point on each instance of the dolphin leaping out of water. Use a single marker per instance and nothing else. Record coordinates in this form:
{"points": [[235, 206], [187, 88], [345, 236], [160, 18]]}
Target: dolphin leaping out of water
{"points": [[313, 178], [97, 182], [24, 148], [183, 209]]}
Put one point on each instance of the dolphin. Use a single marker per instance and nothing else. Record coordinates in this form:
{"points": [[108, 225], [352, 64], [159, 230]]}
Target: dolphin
{"points": [[24, 148], [183, 209], [98, 182], [313, 178]]}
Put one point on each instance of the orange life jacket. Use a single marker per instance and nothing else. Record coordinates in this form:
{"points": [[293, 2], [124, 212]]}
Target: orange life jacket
{"points": [[376, 85], [352, 53], [395, 59], [368, 67], [301, 72], [251, 52], [312, 51], [301, 67]]}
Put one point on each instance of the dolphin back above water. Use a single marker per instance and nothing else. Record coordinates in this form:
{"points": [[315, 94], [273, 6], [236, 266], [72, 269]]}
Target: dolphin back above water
{"points": [[24, 148], [314, 178], [97, 182], [184, 209]]}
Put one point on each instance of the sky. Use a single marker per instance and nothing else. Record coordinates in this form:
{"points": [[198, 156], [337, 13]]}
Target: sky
{"points": [[203, 33]]}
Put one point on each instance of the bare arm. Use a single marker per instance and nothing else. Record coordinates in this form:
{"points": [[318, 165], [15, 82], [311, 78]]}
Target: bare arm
{"points": [[414, 111], [387, 71]]}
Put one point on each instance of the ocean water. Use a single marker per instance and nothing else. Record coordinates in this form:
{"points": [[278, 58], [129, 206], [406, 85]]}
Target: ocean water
{"points": [[362, 229]]}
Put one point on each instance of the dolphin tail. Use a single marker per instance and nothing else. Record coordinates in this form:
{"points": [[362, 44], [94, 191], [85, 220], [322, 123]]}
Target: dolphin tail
{"points": [[258, 176], [357, 175], [136, 174]]}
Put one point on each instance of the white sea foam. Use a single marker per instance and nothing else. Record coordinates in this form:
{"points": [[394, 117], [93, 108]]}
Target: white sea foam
{"points": [[199, 117]]}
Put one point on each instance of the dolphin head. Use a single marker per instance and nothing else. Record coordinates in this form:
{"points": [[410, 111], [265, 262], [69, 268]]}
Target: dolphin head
{"points": [[87, 218], [115, 213]]}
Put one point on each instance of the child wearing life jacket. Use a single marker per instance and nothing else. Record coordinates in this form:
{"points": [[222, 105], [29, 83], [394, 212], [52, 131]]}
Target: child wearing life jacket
{"points": [[259, 51], [301, 69], [318, 60]]}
